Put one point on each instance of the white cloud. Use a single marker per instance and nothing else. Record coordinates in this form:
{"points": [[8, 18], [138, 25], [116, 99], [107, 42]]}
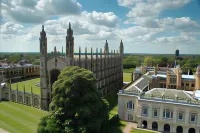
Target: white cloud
{"points": [[26, 11], [108, 19], [144, 12], [12, 28], [137, 31], [129, 3], [102, 35], [182, 39]]}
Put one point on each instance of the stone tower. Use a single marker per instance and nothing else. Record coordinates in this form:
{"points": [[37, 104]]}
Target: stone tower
{"points": [[106, 48], [121, 52], [178, 77], [43, 69], [197, 78], [70, 43], [168, 79]]}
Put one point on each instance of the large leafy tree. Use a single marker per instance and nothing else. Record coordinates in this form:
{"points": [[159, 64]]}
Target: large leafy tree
{"points": [[76, 106]]}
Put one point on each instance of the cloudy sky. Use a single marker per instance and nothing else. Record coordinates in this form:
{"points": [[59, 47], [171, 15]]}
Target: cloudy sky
{"points": [[145, 26]]}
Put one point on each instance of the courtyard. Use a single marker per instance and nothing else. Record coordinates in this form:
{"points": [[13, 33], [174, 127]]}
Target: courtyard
{"points": [[18, 118], [28, 84]]}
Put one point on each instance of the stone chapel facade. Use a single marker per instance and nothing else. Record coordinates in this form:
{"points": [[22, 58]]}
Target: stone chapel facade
{"points": [[106, 66]]}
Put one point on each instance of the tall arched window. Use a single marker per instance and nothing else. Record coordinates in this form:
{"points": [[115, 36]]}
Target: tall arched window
{"points": [[130, 105]]}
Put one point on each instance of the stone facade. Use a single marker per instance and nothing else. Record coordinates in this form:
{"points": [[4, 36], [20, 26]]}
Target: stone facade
{"points": [[22, 97], [171, 116], [106, 66], [163, 77], [159, 107]]}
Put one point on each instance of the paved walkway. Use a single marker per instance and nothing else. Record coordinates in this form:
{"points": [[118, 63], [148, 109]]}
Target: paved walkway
{"points": [[3, 131], [129, 126]]}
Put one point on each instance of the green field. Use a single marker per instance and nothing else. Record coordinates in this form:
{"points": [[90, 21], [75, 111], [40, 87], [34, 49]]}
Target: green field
{"points": [[126, 77], [142, 131], [18, 118], [28, 84], [130, 70], [113, 110]]}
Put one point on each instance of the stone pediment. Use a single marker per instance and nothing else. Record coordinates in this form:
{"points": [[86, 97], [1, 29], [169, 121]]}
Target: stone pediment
{"points": [[57, 62]]}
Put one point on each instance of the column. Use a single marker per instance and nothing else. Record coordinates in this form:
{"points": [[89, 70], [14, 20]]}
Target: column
{"points": [[24, 95], [161, 112], [185, 129], [9, 91], [175, 114], [149, 124], [187, 116], [17, 94], [160, 126], [31, 98], [139, 123]]}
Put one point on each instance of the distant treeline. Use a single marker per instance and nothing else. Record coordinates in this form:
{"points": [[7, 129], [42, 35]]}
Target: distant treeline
{"points": [[186, 63]]}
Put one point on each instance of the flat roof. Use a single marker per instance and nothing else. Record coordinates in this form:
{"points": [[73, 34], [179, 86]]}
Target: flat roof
{"points": [[183, 76]]}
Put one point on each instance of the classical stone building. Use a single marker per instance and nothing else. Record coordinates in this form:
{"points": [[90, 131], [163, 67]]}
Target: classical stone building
{"points": [[172, 78], [162, 108], [107, 66]]}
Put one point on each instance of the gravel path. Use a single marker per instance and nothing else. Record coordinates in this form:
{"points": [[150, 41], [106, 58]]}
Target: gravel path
{"points": [[3, 131], [129, 126]]}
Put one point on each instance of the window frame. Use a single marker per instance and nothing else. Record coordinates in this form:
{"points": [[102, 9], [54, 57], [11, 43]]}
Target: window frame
{"points": [[145, 107], [132, 105], [182, 115], [154, 112], [165, 114], [195, 114]]}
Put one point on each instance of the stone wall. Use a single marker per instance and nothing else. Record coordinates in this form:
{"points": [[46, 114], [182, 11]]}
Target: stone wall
{"points": [[26, 98]]}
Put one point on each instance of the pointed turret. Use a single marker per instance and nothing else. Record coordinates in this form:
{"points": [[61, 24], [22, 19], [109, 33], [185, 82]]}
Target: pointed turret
{"points": [[62, 51], [121, 48], [106, 48], [79, 56], [70, 43]]}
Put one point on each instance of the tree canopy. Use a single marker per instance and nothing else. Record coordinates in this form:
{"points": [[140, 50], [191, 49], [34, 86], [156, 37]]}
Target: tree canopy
{"points": [[76, 106]]}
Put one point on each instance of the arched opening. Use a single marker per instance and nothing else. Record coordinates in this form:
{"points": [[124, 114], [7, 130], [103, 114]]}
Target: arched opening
{"points": [[27, 100], [179, 129], [155, 126], [20, 99], [13, 98], [36, 102], [166, 128], [191, 130], [144, 124], [53, 77]]}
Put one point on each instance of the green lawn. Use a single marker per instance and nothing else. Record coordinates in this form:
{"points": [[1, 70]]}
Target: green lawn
{"points": [[142, 131], [130, 70], [126, 77], [27, 84], [112, 100], [18, 118]]}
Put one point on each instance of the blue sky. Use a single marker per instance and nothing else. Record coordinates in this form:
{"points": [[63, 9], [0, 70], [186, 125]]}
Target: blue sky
{"points": [[145, 26]]}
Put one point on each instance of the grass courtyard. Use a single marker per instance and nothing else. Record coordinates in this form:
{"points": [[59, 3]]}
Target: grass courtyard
{"points": [[18, 118], [126, 77], [112, 100], [142, 131], [28, 84], [127, 74], [36, 90]]}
